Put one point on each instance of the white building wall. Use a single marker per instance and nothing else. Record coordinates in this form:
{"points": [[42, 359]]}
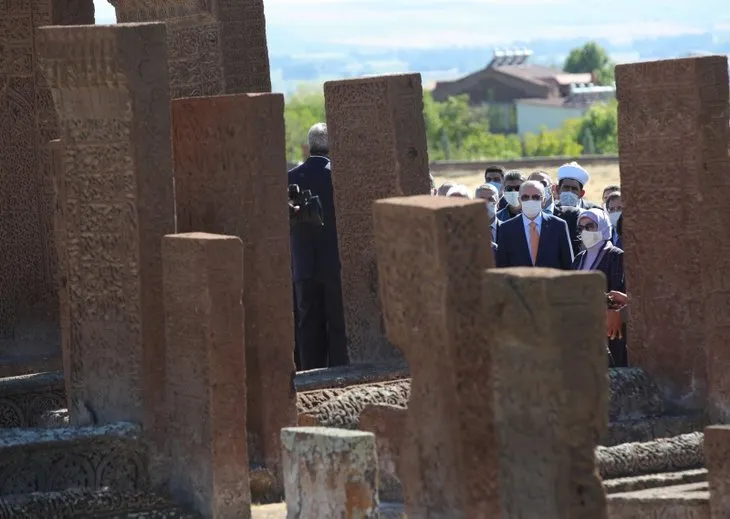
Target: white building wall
{"points": [[532, 118]]}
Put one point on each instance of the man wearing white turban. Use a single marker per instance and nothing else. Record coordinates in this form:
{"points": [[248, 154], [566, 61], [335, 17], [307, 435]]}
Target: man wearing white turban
{"points": [[572, 179]]}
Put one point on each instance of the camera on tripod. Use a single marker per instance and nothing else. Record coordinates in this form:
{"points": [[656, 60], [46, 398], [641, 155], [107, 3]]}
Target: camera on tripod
{"points": [[304, 208]]}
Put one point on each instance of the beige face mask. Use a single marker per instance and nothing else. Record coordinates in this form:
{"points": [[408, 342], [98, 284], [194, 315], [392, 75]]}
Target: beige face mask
{"points": [[591, 238]]}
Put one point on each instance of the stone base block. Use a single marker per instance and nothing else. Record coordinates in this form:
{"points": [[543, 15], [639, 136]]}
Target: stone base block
{"points": [[634, 483], [652, 428], [329, 473], [691, 501], [91, 503], [50, 460], [25, 399], [683, 452], [343, 376]]}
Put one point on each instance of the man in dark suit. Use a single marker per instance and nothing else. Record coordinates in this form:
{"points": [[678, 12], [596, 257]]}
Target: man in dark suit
{"points": [[534, 238], [316, 265], [567, 213]]}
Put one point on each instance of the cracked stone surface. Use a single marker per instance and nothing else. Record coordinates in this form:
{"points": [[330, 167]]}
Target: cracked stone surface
{"points": [[329, 473]]}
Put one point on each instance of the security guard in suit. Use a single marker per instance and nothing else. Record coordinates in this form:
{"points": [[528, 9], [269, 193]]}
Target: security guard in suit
{"points": [[320, 323]]}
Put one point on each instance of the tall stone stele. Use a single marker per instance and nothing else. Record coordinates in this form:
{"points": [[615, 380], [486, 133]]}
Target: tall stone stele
{"points": [[377, 141], [29, 319], [230, 165], [673, 123], [214, 47], [111, 92], [205, 430], [431, 253]]}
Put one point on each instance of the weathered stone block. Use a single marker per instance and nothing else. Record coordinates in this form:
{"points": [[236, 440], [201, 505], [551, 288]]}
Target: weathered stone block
{"points": [[329, 473], [431, 255], [229, 162], [673, 121], [688, 501], [388, 424], [110, 88], [25, 399], [682, 452], [47, 460], [377, 140], [551, 388], [717, 459], [92, 503], [206, 374], [215, 47]]}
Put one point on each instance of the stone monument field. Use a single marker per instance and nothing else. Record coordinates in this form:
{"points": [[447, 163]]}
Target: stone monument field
{"points": [[146, 331]]}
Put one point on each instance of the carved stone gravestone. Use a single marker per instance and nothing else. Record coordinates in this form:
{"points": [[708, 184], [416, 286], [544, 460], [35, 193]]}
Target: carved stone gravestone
{"points": [[377, 140], [431, 253], [230, 179], [205, 431], [29, 321], [111, 92], [673, 123], [214, 47], [547, 333]]}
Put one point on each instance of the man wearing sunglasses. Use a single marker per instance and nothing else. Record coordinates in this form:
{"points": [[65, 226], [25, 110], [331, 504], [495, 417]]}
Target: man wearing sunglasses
{"points": [[535, 238]]}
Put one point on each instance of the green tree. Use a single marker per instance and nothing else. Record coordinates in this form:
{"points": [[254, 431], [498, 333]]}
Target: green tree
{"points": [[562, 141], [302, 110], [591, 58], [601, 123]]}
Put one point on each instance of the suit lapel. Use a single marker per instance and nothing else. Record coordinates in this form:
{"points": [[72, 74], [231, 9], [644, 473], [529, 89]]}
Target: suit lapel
{"points": [[525, 246]]}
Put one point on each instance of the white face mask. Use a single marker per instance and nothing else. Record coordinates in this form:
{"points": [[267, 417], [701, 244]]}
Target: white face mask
{"points": [[491, 210], [614, 217], [569, 199], [531, 208], [512, 197], [591, 238]]}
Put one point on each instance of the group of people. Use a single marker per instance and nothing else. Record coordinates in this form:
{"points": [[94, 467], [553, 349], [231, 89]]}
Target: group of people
{"points": [[535, 222]]}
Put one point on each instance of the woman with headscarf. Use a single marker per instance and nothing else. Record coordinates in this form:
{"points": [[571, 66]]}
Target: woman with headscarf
{"points": [[594, 228]]}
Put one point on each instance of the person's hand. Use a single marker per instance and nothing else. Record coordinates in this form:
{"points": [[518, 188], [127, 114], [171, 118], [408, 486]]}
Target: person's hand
{"points": [[619, 297], [614, 325]]}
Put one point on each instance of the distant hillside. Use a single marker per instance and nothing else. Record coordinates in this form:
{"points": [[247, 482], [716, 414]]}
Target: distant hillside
{"points": [[322, 39]]}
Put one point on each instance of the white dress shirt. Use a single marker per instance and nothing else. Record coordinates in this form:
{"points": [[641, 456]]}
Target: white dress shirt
{"points": [[526, 222]]}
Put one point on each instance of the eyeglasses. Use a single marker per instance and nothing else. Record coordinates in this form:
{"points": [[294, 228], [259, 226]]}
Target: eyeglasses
{"points": [[527, 198], [590, 227], [512, 188]]}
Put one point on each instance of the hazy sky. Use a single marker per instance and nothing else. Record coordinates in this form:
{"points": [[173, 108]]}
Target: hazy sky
{"points": [[422, 23]]}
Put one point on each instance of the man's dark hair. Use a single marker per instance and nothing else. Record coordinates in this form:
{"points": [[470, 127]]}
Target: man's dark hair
{"points": [[612, 187], [560, 182], [514, 175], [613, 196], [494, 169]]}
